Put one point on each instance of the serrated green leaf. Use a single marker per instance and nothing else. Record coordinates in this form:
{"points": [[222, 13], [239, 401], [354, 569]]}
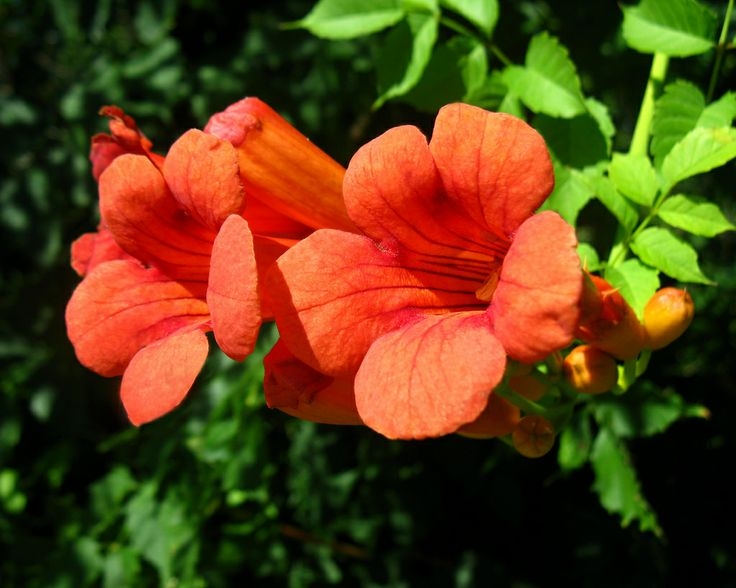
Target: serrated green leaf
{"points": [[676, 113], [548, 83], [575, 442], [617, 485], [701, 150], [636, 282], [482, 13], [405, 55], [570, 195], [694, 215], [678, 28], [346, 19], [511, 104], [661, 249], [616, 204], [634, 176], [599, 112], [589, 259], [719, 113]]}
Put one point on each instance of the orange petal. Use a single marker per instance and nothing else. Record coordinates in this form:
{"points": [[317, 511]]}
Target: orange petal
{"points": [[429, 378], [146, 220], [281, 167], [160, 375], [296, 389], [92, 249], [121, 307], [497, 419], [232, 291], [535, 306], [334, 293], [394, 195], [493, 165], [265, 221], [202, 174]]}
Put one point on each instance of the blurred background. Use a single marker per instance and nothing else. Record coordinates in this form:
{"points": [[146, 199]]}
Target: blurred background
{"points": [[225, 491]]}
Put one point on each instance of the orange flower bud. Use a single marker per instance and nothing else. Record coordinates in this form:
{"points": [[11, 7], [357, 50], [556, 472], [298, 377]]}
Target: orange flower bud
{"points": [[608, 322], [528, 386], [589, 370], [498, 418], [533, 436], [666, 316]]}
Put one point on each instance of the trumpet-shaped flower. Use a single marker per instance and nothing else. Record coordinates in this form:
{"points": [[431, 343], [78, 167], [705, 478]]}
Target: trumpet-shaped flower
{"points": [[453, 271], [177, 254]]}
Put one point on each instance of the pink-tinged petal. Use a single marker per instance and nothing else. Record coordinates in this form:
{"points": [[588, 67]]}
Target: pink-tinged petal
{"points": [[493, 165], [160, 375], [146, 221], [334, 293], [535, 307], [300, 391], [232, 291], [121, 307], [497, 419], [430, 378], [394, 195], [202, 174], [92, 249], [281, 167]]}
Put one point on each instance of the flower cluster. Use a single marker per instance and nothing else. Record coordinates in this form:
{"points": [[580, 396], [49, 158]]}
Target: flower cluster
{"points": [[412, 291]]}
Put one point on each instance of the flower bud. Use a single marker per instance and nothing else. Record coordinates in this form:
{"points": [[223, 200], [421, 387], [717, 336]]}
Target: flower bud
{"points": [[533, 436], [528, 386], [497, 419], [666, 316], [607, 321], [589, 370]]}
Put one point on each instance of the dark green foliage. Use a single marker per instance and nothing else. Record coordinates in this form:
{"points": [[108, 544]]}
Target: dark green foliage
{"points": [[225, 492]]}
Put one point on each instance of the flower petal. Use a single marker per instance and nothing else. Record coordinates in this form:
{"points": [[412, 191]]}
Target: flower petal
{"points": [[121, 307], [146, 221], [160, 375], [296, 389], [202, 174], [334, 293], [493, 165], [429, 378], [394, 195], [92, 249], [232, 291], [281, 167], [535, 307]]}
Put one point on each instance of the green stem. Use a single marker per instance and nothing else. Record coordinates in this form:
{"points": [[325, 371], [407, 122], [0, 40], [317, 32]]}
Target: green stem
{"points": [[657, 73], [524, 404], [465, 31], [720, 51]]}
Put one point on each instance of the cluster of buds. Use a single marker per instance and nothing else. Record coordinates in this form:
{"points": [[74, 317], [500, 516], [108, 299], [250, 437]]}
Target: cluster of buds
{"points": [[612, 331]]}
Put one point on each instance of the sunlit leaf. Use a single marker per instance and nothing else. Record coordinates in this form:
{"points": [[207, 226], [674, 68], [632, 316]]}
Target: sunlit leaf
{"points": [[661, 249], [589, 259], [636, 282], [701, 150], [694, 215], [634, 176], [570, 195], [719, 113], [674, 27], [346, 19], [676, 113], [482, 13], [617, 205], [548, 82]]}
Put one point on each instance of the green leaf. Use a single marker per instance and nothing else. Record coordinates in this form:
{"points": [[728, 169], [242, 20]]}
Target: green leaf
{"points": [[570, 195], [701, 150], [694, 215], [481, 13], [636, 282], [634, 176], [589, 259], [617, 485], [511, 104], [719, 113], [575, 442], [548, 83], [616, 204], [346, 19], [678, 28], [661, 249], [676, 113], [599, 112], [404, 56]]}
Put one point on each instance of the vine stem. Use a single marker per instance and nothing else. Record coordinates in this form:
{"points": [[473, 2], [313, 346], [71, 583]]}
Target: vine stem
{"points": [[720, 50], [463, 30], [657, 73]]}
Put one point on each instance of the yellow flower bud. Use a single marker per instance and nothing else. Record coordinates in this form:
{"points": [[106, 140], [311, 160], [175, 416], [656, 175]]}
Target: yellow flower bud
{"points": [[589, 370], [533, 436], [666, 316]]}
